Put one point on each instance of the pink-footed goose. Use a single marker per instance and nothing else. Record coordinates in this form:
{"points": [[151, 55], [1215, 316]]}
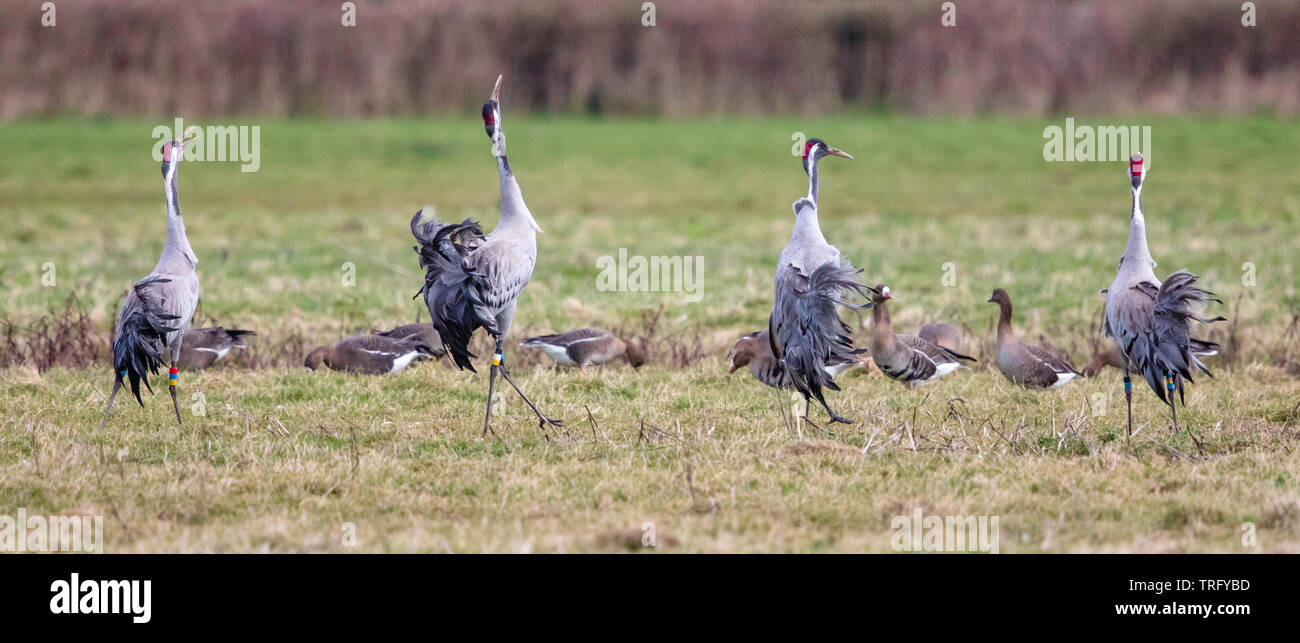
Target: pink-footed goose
{"points": [[151, 324], [202, 347], [945, 335], [586, 347], [425, 333], [1028, 365], [1150, 320], [370, 354], [805, 331], [473, 280], [755, 351], [907, 358]]}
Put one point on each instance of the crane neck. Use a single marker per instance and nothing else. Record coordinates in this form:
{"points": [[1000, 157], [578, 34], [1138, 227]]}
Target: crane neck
{"points": [[177, 247], [814, 186], [514, 212], [807, 229], [1137, 253]]}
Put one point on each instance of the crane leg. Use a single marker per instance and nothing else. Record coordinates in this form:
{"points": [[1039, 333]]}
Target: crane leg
{"points": [[1169, 392], [542, 420], [173, 378], [487, 418], [117, 384], [1128, 396], [835, 417]]}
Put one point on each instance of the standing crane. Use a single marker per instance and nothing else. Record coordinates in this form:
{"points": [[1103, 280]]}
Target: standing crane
{"points": [[1149, 320], [151, 324], [474, 280], [804, 329]]}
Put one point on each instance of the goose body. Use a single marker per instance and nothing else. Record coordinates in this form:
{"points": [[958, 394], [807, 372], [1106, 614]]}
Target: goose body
{"points": [[370, 354], [945, 335], [907, 358], [202, 347], [425, 333], [585, 347], [1027, 365]]}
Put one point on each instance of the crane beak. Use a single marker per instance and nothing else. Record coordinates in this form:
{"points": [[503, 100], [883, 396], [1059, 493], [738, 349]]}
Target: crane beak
{"points": [[496, 90], [840, 153]]}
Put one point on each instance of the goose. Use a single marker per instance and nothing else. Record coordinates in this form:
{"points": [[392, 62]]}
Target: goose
{"points": [[907, 358], [945, 335], [755, 351], [369, 354], [1028, 365], [425, 333], [202, 347], [586, 347], [1151, 320]]}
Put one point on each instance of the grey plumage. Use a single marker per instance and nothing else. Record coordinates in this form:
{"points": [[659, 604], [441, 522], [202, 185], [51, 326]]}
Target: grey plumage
{"points": [[1028, 365], [1111, 356], [370, 354], [1149, 320], [906, 358], [811, 282], [755, 351], [153, 318], [945, 335], [473, 280], [425, 332], [586, 347], [140, 341]]}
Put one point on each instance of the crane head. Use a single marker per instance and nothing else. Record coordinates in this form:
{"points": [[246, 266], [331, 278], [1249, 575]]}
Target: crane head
{"points": [[1136, 171], [815, 149], [999, 297], [174, 151], [492, 112], [880, 293]]}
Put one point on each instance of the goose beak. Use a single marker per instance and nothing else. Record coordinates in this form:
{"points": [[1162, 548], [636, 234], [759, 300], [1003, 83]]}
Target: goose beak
{"points": [[496, 90], [840, 153]]}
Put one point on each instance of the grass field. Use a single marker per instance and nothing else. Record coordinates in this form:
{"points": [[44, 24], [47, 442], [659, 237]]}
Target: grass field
{"points": [[281, 458]]}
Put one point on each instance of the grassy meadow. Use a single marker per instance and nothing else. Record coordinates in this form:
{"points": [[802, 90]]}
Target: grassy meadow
{"points": [[274, 458]]}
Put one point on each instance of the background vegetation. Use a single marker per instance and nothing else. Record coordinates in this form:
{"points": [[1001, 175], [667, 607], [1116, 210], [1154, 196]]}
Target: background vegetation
{"points": [[403, 57]]}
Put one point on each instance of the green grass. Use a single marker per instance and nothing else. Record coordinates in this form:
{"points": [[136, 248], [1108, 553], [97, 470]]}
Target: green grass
{"points": [[714, 466]]}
